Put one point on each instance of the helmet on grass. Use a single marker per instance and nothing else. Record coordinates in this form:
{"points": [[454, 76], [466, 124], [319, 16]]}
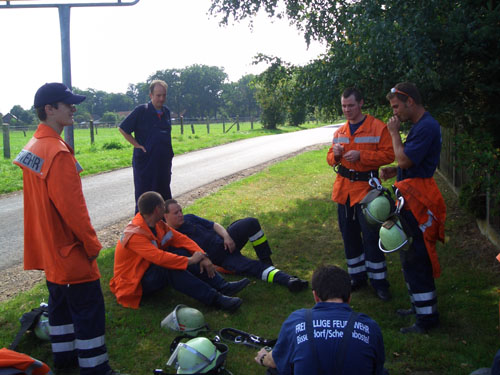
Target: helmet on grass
{"points": [[185, 319], [198, 356]]}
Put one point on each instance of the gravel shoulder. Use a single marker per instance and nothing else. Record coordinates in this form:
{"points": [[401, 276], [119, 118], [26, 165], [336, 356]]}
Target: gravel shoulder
{"points": [[15, 279]]}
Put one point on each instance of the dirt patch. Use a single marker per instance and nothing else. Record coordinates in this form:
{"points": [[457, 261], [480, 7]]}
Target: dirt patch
{"points": [[14, 280]]}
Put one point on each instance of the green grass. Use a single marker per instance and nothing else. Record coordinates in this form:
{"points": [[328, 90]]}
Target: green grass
{"points": [[111, 151], [292, 201]]}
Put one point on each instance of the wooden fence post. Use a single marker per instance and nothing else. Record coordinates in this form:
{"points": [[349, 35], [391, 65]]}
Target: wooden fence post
{"points": [[192, 128], [238, 123], [223, 126], [251, 122], [208, 125], [91, 127], [182, 125], [6, 139]]}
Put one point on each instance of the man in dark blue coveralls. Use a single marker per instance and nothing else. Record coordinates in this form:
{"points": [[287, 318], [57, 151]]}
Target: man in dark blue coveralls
{"points": [[332, 350], [152, 157], [224, 246]]}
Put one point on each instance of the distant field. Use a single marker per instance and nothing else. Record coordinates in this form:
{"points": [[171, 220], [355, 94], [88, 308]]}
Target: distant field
{"points": [[111, 151]]}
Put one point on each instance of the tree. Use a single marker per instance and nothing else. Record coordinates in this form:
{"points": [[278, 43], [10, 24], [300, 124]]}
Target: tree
{"points": [[23, 116], [238, 98], [110, 118]]}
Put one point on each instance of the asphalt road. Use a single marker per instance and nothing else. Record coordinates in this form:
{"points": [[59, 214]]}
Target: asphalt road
{"points": [[110, 196]]}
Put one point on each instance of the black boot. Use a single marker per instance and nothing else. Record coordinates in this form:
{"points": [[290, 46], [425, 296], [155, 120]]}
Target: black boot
{"points": [[223, 302], [232, 288], [296, 285]]}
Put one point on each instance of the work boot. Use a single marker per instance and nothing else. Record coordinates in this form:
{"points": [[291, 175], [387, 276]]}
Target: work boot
{"points": [[232, 288], [405, 312], [415, 328], [223, 302], [384, 294], [358, 284], [296, 285]]}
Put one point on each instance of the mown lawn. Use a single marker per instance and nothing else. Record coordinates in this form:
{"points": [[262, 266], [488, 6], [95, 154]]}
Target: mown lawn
{"points": [[292, 201]]}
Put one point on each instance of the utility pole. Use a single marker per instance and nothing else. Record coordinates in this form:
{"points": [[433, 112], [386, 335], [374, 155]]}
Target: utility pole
{"points": [[64, 21]]}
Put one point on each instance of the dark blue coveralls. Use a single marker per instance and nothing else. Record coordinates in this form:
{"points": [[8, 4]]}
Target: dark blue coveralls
{"points": [[241, 231], [152, 169]]}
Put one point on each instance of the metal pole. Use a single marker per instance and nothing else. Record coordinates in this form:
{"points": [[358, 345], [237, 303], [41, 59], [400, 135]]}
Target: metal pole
{"points": [[64, 20]]}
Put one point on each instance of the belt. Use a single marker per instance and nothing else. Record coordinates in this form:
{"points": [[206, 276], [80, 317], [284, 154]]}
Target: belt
{"points": [[353, 175]]}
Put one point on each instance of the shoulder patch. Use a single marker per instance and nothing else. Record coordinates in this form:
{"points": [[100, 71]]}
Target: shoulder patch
{"points": [[30, 160]]}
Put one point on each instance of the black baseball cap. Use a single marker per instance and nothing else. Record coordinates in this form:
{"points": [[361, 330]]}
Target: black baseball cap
{"points": [[56, 93]]}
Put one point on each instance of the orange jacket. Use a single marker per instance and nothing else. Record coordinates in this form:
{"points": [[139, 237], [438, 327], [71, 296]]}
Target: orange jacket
{"points": [[374, 142], [58, 235], [424, 200], [23, 362], [137, 249]]}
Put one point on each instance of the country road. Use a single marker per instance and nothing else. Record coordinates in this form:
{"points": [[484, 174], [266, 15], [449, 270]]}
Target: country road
{"points": [[110, 196]]}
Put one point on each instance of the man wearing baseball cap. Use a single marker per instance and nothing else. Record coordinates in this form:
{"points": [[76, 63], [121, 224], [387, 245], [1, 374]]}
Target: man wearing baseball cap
{"points": [[59, 238]]}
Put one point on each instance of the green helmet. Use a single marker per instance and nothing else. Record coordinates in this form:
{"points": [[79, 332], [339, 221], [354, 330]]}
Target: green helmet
{"points": [[376, 207], [392, 236], [42, 327], [197, 356], [185, 319]]}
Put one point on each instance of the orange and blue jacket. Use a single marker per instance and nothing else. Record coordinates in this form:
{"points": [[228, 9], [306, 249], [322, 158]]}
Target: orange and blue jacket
{"points": [[423, 198], [373, 141], [12, 362], [137, 249], [58, 235]]}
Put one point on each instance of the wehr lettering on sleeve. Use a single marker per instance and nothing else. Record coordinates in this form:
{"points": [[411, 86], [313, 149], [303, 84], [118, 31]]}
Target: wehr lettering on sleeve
{"points": [[30, 160]]}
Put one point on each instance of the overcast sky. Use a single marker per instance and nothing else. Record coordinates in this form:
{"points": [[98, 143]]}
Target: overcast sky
{"points": [[114, 46]]}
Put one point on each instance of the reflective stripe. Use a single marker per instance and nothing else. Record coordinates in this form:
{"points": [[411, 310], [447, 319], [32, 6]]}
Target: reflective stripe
{"points": [[259, 241], [60, 347], [352, 261], [427, 310], [154, 243], [367, 140], [375, 266], [166, 237], [354, 270], [256, 236], [377, 275], [422, 297], [428, 223], [266, 272], [270, 277], [93, 361], [96, 342], [341, 140], [65, 329]]}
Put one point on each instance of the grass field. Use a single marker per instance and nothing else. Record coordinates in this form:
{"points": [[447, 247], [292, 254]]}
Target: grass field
{"points": [[111, 151], [300, 222]]}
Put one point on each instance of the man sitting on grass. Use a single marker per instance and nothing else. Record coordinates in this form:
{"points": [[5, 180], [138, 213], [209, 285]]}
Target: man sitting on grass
{"points": [[330, 338], [150, 255], [224, 246]]}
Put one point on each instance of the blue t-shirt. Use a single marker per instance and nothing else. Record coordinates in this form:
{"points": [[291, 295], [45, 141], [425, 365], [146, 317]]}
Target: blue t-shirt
{"points": [[202, 232], [423, 147], [364, 354]]}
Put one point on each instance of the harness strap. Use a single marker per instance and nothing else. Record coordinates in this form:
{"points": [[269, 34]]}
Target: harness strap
{"points": [[28, 321], [354, 175], [241, 337]]}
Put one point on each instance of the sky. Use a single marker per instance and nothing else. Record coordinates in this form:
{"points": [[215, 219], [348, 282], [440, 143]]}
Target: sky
{"points": [[112, 47]]}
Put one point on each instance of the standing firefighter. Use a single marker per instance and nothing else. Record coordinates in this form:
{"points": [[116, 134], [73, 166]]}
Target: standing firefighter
{"points": [[152, 157], [59, 238], [424, 209], [360, 147]]}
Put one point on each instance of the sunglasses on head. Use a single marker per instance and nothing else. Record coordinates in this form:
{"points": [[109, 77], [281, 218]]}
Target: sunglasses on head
{"points": [[396, 91]]}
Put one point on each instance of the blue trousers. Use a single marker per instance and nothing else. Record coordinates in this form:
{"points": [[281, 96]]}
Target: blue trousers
{"points": [[364, 258], [417, 270], [190, 282], [77, 325]]}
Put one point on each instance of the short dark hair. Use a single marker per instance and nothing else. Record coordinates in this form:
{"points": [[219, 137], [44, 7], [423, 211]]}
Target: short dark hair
{"points": [[168, 202], [358, 95], [331, 282], [40, 111], [148, 201], [408, 88]]}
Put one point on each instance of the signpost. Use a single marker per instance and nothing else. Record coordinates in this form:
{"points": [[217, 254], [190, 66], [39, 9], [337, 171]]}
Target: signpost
{"points": [[64, 18]]}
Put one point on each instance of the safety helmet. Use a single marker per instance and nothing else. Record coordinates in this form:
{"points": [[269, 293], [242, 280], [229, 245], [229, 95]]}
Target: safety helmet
{"points": [[198, 356], [42, 327], [392, 236], [185, 319], [376, 210]]}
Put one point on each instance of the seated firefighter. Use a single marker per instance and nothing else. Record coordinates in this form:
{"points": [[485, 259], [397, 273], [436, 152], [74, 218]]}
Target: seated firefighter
{"points": [[330, 338], [150, 255], [224, 246]]}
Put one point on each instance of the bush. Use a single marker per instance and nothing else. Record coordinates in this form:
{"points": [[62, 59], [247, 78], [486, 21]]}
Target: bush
{"points": [[112, 145]]}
